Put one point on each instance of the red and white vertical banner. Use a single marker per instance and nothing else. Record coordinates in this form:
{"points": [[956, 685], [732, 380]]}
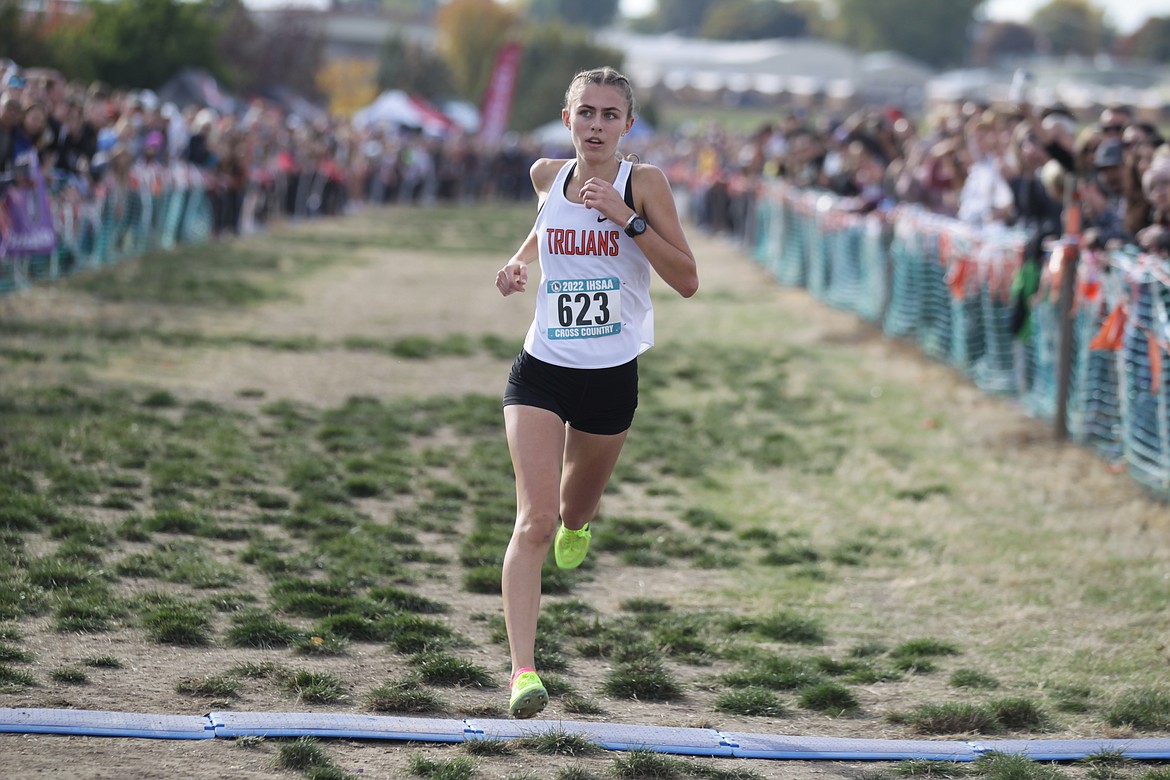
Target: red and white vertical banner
{"points": [[497, 101]]}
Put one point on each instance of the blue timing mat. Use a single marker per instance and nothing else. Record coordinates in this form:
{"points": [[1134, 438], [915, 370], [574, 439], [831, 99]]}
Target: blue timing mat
{"points": [[612, 736], [319, 724], [808, 748], [94, 723], [1074, 749]]}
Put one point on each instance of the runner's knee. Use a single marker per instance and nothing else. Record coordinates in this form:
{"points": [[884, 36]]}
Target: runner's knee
{"points": [[536, 528]]}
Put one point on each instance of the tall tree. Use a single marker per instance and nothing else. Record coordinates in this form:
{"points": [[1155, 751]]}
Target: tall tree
{"points": [[289, 52], [22, 39], [139, 43], [933, 32], [1073, 27], [1151, 41], [595, 13], [754, 20], [552, 55], [681, 16], [413, 68], [471, 33], [236, 45], [1002, 41]]}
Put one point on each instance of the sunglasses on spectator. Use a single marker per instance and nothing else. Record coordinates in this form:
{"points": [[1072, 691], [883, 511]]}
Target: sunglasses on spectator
{"points": [[1113, 129]]}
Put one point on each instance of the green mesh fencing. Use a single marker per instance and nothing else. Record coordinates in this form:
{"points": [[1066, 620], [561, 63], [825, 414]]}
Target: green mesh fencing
{"points": [[907, 282], [1039, 370], [998, 370], [1094, 405], [843, 245], [934, 323], [768, 241], [949, 288], [873, 289], [793, 269], [115, 221], [816, 248], [1146, 405]]}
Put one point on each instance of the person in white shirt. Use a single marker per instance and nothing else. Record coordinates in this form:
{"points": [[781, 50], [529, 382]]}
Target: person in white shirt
{"points": [[986, 197], [603, 225]]}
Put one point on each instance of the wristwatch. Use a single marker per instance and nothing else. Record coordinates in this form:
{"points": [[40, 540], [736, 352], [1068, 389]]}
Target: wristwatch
{"points": [[635, 226]]}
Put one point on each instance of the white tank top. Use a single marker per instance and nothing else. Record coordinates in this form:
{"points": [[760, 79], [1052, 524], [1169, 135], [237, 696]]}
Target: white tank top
{"points": [[593, 305]]}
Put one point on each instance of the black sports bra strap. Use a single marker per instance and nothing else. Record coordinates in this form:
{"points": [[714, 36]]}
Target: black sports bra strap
{"points": [[569, 178]]}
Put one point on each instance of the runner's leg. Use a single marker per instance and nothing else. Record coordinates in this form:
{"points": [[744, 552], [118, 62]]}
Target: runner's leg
{"points": [[536, 440], [590, 459]]}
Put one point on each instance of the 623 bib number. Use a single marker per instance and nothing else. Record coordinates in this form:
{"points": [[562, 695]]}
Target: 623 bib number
{"points": [[584, 308]]}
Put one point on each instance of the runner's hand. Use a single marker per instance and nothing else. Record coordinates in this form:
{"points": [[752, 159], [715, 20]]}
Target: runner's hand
{"points": [[601, 196], [512, 278]]}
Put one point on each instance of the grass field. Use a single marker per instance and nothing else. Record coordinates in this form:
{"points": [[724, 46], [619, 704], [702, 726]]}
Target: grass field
{"points": [[270, 475]]}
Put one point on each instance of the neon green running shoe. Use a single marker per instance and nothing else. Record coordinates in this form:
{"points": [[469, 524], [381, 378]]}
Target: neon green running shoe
{"points": [[528, 696], [571, 547]]}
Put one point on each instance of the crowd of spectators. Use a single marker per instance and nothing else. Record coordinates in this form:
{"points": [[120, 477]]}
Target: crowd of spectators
{"points": [[1018, 165], [255, 163]]}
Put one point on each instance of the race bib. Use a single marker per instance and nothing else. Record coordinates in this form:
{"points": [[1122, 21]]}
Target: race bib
{"points": [[584, 308]]}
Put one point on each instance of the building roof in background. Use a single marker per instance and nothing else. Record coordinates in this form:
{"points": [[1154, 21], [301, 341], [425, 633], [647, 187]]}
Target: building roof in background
{"points": [[807, 66], [1075, 82], [802, 65]]}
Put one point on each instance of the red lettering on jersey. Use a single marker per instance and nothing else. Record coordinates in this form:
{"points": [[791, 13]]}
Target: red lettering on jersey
{"points": [[609, 243], [597, 243]]}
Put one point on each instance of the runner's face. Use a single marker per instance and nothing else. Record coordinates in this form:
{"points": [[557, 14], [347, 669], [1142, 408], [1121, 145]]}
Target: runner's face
{"points": [[597, 119]]}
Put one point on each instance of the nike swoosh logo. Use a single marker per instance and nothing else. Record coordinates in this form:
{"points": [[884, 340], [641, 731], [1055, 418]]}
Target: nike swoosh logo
{"points": [[602, 219]]}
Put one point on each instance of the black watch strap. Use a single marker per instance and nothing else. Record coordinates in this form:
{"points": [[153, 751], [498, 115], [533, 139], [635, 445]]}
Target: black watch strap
{"points": [[635, 226]]}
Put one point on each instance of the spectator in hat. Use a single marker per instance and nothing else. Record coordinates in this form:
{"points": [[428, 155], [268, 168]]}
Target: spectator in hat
{"points": [[1103, 197], [1107, 161], [1114, 119], [1055, 128]]}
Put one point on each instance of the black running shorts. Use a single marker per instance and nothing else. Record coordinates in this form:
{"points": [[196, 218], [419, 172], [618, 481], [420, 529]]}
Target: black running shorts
{"points": [[592, 400]]}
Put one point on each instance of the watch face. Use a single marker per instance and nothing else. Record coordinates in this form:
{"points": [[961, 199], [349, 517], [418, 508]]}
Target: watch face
{"points": [[637, 227]]}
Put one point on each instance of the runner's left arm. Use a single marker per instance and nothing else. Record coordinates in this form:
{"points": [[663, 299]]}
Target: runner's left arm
{"points": [[664, 241]]}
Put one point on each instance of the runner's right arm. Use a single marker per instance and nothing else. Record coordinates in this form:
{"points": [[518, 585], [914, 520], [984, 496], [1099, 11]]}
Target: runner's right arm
{"points": [[513, 276]]}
